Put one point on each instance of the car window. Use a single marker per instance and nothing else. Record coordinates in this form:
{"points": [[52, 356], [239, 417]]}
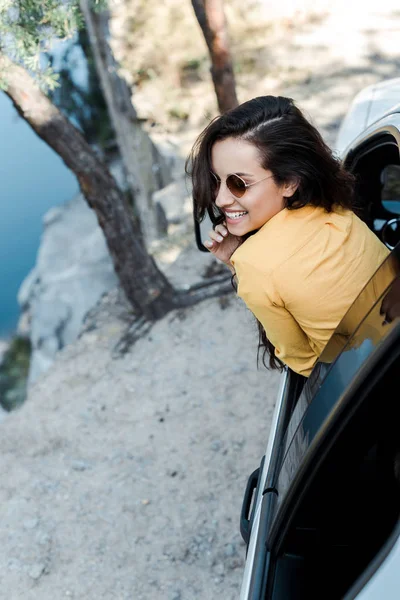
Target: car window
{"points": [[340, 467], [349, 333], [390, 178], [390, 196], [342, 360], [377, 171]]}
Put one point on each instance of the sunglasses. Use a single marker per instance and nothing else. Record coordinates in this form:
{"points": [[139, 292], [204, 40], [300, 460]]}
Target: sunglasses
{"points": [[234, 183]]}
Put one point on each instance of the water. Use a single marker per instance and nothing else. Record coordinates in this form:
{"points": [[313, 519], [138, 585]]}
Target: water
{"points": [[33, 179]]}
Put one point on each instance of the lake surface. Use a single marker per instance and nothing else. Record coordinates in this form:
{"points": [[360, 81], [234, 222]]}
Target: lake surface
{"points": [[33, 179]]}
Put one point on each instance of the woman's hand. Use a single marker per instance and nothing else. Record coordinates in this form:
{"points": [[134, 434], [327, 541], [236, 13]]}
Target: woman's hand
{"points": [[223, 244]]}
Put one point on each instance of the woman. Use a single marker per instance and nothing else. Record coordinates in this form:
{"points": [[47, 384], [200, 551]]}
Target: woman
{"points": [[288, 229]]}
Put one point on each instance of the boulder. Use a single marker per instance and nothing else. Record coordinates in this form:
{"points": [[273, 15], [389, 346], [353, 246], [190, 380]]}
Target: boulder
{"points": [[74, 269], [72, 272], [175, 200]]}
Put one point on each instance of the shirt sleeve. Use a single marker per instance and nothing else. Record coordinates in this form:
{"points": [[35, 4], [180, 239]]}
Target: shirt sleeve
{"points": [[291, 343]]}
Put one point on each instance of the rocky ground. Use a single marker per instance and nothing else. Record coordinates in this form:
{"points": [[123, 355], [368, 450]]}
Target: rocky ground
{"points": [[122, 475]]}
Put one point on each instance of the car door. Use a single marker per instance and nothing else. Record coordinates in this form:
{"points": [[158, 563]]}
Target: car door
{"points": [[337, 494]]}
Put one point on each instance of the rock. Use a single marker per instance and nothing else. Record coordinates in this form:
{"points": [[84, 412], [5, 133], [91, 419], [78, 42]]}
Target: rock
{"points": [[36, 570], [74, 269], [80, 465], [170, 163], [31, 523], [230, 550], [219, 569], [216, 445], [72, 272], [175, 200], [24, 324], [53, 215], [14, 564]]}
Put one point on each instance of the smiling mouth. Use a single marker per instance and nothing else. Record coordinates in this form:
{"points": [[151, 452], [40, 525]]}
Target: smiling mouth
{"points": [[235, 215]]}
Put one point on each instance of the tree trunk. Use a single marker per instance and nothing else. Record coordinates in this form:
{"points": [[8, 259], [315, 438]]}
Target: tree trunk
{"points": [[211, 17], [139, 155], [147, 289], [145, 286]]}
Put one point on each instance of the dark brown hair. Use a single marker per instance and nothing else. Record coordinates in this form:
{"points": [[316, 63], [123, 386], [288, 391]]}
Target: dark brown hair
{"points": [[290, 147]]}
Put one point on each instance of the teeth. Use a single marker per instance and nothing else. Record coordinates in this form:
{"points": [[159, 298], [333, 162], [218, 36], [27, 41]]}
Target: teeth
{"points": [[236, 215]]}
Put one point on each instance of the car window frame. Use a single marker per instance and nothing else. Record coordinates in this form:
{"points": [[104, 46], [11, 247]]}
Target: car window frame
{"points": [[373, 135]]}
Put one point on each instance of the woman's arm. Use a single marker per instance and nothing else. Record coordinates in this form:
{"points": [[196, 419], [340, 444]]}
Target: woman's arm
{"points": [[261, 296], [291, 343]]}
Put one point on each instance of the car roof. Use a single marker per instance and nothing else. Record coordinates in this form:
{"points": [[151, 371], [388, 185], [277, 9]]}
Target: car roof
{"points": [[369, 105]]}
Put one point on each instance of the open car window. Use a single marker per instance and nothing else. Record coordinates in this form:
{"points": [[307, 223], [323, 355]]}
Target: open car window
{"points": [[337, 473], [331, 378], [390, 197], [367, 321], [374, 292], [390, 179], [376, 166]]}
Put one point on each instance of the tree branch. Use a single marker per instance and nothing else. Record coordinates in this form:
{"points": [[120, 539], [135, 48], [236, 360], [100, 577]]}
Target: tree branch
{"points": [[211, 17]]}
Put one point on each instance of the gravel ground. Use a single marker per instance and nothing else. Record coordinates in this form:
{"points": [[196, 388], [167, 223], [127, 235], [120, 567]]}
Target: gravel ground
{"points": [[122, 476]]}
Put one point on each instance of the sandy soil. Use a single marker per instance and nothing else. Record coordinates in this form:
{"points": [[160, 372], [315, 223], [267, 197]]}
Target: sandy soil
{"points": [[122, 476]]}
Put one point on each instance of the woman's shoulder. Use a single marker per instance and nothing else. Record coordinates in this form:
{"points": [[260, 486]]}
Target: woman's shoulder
{"points": [[298, 239], [282, 237]]}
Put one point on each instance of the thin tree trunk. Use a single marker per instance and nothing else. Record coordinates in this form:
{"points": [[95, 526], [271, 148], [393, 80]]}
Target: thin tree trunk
{"points": [[145, 286], [136, 147], [147, 289], [211, 17]]}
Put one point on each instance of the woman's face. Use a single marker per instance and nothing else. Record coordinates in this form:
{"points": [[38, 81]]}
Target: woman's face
{"points": [[261, 201]]}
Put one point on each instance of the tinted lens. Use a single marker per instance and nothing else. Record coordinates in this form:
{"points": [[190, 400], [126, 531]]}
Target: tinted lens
{"points": [[235, 185]]}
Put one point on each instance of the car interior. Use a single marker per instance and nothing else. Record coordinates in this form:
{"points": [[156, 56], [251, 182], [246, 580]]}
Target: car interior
{"points": [[377, 171]]}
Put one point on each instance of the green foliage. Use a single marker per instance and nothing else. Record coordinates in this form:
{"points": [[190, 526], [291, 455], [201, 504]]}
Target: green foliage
{"points": [[29, 27], [176, 112], [193, 69], [14, 373]]}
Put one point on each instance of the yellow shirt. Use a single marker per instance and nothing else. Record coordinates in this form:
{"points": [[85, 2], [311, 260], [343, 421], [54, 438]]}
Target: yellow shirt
{"points": [[301, 272]]}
